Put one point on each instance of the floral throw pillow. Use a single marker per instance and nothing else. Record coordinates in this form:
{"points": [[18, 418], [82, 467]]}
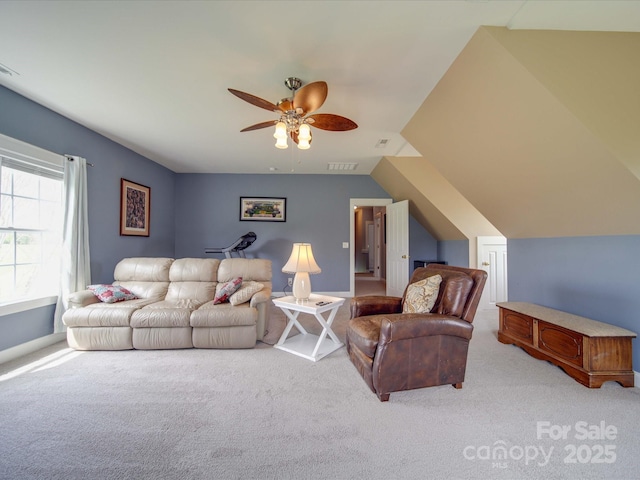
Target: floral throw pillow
{"points": [[245, 292], [422, 295], [111, 293], [225, 290]]}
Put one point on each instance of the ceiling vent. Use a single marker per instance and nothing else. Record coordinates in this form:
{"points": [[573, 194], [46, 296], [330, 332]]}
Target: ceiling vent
{"points": [[382, 143], [342, 166]]}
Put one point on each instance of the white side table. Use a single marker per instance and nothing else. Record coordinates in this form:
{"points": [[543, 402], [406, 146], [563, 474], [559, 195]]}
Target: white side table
{"points": [[306, 345]]}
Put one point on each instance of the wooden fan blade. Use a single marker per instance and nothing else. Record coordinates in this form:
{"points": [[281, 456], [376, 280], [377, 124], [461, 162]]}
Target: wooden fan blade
{"points": [[311, 97], [258, 126], [253, 100], [334, 123], [285, 105]]}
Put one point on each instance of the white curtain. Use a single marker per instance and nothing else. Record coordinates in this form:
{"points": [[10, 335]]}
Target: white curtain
{"points": [[76, 271]]}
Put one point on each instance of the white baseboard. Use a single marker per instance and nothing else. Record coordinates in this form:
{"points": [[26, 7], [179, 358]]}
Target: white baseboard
{"points": [[30, 347]]}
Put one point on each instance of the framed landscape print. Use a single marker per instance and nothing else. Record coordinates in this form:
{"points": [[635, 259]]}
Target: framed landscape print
{"points": [[263, 209], [135, 206]]}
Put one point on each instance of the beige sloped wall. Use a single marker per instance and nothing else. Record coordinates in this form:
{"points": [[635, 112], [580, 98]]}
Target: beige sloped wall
{"points": [[596, 75], [518, 154], [396, 182], [434, 203]]}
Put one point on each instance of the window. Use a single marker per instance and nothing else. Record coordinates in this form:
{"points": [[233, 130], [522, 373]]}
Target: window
{"points": [[30, 228]]}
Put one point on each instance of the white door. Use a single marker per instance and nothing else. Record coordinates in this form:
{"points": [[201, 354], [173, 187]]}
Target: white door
{"points": [[397, 248], [492, 258]]}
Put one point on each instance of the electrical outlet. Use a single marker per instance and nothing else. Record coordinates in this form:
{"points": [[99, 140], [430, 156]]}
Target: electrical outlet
{"points": [[290, 281]]}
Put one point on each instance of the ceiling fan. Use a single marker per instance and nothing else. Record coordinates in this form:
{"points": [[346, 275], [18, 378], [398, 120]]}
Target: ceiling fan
{"points": [[296, 113]]}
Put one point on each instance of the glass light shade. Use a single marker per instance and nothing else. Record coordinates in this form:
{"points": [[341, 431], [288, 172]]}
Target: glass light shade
{"points": [[302, 263], [303, 144], [281, 130], [281, 143], [304, 132]]}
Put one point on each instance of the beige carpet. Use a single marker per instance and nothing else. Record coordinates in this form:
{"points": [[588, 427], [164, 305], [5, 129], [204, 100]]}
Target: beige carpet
{"points": [[266, 414]]}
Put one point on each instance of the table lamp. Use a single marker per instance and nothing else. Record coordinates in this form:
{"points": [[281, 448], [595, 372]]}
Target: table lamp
{"points": [[302, 263]]}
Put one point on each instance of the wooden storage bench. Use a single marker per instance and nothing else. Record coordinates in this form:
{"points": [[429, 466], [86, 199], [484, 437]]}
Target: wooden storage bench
{"points": [[591, 352]]}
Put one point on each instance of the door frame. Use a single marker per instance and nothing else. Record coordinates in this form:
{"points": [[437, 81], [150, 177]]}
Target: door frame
{"points": [[359, 202]]}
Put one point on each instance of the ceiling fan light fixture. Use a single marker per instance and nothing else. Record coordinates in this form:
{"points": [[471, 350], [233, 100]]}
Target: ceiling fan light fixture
{"points": [[282, 143], [304, 133], [296, 113], [281, 131], [281, 135], [303, 144]]}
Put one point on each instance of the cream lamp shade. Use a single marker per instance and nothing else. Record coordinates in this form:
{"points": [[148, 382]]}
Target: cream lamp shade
{"points": [[302, 263]]}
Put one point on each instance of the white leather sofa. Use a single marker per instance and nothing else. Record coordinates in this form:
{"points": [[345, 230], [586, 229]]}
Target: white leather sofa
{"points": [[174, 308]]}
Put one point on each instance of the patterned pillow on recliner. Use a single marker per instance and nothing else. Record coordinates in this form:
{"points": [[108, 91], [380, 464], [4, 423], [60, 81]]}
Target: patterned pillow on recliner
{"points": [[225, 290], [111, 293], [422, 295]]}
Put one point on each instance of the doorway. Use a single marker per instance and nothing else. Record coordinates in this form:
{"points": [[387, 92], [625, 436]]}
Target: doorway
{"points": [[369, 250], [359, 248]]}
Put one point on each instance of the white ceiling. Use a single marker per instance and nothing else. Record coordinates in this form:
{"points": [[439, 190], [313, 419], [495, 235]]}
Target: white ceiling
{"points": [[153, 75]]}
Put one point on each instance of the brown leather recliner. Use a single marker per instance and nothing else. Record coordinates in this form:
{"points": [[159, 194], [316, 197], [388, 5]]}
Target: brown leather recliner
{"points": [[396, 351]]}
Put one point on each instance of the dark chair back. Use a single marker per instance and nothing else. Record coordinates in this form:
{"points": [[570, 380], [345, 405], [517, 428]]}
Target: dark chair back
{"points": [[460, 290]]}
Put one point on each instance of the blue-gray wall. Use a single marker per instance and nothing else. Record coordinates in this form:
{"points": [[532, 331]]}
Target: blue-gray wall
{"points": [[454, 252], [318, 212], [23, 327], [422, 246], [594, 277]]}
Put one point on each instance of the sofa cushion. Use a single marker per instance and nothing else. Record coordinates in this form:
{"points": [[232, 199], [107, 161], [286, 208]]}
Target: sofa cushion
{"points": [[195, 292], [225, 290], [114, 316], [143, 269], [224, 315], [111, 293], [188, 303], [245, 292], [153, 317], [194, 270], [258, 269], [421, 296], [153, 291], [137, 303]]}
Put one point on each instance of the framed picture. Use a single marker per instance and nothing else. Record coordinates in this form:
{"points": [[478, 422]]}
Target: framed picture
{"points": [[263, 209], [135, 208]]}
